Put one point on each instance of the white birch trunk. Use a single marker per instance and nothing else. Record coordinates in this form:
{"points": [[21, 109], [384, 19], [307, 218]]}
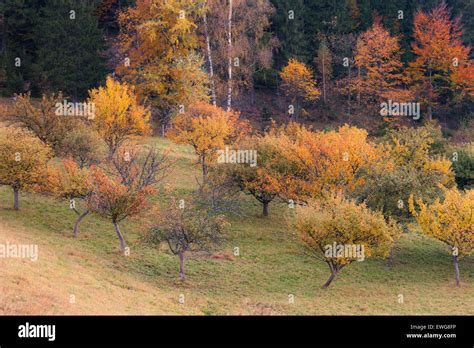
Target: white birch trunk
{"points": [[209, 58], [229, 82]]}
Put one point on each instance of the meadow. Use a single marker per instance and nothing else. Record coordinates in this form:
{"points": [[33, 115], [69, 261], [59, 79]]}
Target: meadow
{"points": [[271, 275]]}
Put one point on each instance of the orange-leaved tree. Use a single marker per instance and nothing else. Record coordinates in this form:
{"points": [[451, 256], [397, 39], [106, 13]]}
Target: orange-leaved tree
{"points": [[118, 113], [23, 162], [377, 58], [442, 62], [298, 84], [311, 163], [115, 201], [39, 118], [450, 221], [122, 189], [207, 129], [255, 178]]}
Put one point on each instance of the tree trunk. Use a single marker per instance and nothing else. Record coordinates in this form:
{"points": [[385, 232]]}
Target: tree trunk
{"points": [[78, 222], [297, 110], [324, 78], [456, 270], [182, 276], [358, 85], [209, 58], [430, 113], [119, 234], [111, 152], [391, 257], [229, 36], [349, 94], [331, 278], [16, 198], [265, 208], [204, 167]]}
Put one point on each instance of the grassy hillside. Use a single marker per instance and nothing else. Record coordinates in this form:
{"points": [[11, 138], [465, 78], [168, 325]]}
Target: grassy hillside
{"points": [[271, 266]]}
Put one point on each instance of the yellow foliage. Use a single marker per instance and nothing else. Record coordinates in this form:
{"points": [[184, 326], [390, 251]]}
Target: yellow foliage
{"points": [[340, 231], [207, 129], [450, 221], [159, 39], [118, 113], [23, 160], [298, 81]]}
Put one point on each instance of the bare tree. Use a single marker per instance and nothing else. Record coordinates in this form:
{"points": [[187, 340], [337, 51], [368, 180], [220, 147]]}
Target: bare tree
{"points": [[185, 227]]}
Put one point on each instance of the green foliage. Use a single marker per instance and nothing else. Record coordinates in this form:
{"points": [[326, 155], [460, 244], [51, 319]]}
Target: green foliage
{"points": [[412, 163], [20, 18], [463, 164], [69, 60]]}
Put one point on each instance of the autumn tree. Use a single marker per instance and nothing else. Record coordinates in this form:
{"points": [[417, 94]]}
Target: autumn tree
{"points": [[450, 221], [377, 58], [70, 181], [187, 228], [158, 43], [340, 231], [408, 163], [298, 84], [323, 61], [23, 162], [118, 113], [122, 189], [442, 61], [406, 166], [39, 118], [207, 129], [311, 163], [254, 178]]}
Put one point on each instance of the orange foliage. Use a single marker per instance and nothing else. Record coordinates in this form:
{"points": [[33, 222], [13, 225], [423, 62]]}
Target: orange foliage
{"points": [[440, 56], [378, 57], [207, 128], [298, 83], [314, 162]]}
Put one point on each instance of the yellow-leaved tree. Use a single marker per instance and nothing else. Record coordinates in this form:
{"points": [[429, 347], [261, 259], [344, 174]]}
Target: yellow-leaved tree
{"points": [[70, 181], [118, 113], [23, 162], [298, 84], [207, 129], [158, 41], [450, 221], [339, 231]]}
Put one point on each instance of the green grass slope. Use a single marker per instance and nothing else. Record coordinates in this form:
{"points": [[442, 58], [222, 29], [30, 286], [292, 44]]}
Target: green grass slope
{"points": [[88, 275]]}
